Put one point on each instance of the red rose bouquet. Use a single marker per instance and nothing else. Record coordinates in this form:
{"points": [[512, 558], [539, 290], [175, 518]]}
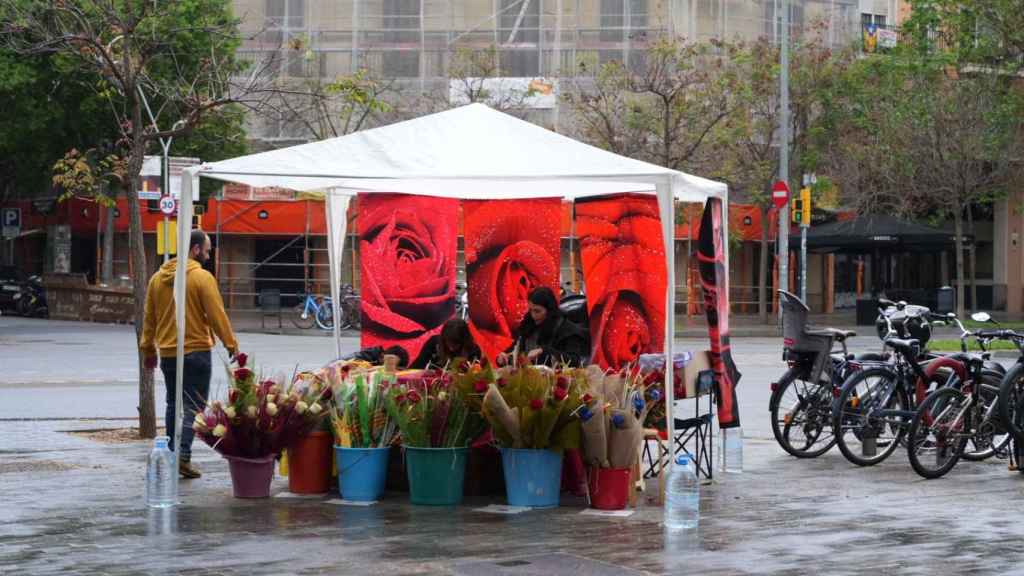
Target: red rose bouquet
{"points": [[261, 417], [533, 407], [430, 412]]}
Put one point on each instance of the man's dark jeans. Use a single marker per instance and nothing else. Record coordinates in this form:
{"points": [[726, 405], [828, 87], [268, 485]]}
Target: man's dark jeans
{"points": [[195, 389]]}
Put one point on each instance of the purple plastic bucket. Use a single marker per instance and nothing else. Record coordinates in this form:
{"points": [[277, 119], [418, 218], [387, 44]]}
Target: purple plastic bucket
{"points": [[250, 477]]}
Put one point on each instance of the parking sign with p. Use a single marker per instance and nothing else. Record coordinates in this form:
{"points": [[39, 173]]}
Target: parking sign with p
{"points": [[10, 218]]}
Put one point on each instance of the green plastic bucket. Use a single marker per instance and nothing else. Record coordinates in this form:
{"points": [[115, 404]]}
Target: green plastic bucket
{"points": [[435, 475]]}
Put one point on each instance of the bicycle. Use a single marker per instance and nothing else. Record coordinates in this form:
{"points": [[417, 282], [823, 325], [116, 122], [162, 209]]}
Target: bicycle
{"points": [[801, 400], [875, 405], [351, 309], [314, 310], [967, 411]]}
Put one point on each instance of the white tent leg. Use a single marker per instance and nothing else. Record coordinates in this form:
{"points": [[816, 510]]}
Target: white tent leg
{"points": [[189, 187], [667, 213], [337, 224]]}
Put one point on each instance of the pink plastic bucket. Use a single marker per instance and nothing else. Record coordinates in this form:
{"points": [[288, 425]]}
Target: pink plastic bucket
{"points": [[250, 477]]}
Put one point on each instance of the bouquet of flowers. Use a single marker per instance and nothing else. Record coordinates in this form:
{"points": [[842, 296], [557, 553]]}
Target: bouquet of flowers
{"points": [[534, 407], [430, 412], [358, 415], [614, 409], [261, 417]]}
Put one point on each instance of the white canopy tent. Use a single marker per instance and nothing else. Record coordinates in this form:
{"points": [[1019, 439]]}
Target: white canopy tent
{"points": [[472, 152]]}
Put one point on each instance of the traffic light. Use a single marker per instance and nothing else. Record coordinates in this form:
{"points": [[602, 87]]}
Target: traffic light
{"points": [[802, 208]]}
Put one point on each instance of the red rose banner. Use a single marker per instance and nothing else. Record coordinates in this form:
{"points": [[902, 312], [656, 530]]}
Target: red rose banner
{"points": [[715, 282], [623, 260], [407, 261], [511, 247]]}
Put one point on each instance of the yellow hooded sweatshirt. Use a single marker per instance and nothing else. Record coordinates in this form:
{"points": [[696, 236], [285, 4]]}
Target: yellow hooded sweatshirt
{"points": [[204, 310]]}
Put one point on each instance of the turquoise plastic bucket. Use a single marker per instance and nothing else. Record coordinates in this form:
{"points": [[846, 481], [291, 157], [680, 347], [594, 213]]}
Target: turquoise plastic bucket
{"points": [[435, 475], [532, 477], [362, 472]]}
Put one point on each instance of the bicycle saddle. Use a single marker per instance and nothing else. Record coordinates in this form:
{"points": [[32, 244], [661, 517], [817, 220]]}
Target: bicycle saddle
{"points": [[837, 334], [907, 344]]}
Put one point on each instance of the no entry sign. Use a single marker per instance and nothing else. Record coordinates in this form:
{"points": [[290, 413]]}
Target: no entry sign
{"points": [[780, 193]]}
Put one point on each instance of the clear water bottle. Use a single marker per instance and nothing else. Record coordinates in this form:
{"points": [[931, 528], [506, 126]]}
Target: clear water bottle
{"points": [[682, 497], [732, 450], [161, 475]]}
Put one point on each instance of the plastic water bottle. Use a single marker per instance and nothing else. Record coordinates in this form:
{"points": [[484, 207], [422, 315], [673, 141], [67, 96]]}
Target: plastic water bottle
{"points": [[732, 450], [682, 498], [160, 476]]}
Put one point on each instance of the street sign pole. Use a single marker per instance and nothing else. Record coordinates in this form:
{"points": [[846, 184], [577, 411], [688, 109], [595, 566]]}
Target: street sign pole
{"points": [[783, 242]]}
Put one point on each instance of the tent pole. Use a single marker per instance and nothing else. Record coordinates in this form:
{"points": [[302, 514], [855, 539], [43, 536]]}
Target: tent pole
{"points": [[666, 205], [189, 185]]}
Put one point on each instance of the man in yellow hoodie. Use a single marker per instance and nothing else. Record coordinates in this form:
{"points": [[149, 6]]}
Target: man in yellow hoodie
{"points": [[204, 317]]}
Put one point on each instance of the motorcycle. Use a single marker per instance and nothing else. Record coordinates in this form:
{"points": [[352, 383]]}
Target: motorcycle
{"points": [[30, 300]]}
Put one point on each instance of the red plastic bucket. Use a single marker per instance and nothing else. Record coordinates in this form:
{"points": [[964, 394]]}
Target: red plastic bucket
{"points": [[310, 459], [250, 477], [609, 488]]}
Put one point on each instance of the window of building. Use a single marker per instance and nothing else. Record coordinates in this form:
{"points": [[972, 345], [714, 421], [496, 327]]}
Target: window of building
{"points": [[401, 22], [285, 24], [773, 19], [519, 38], [877, 20]]}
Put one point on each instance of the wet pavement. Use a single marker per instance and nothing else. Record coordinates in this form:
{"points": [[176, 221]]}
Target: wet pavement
{"points": [[71, 505]]}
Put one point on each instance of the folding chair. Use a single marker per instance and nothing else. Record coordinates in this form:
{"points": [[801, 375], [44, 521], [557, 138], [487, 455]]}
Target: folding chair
{"points": [[693, 436]]}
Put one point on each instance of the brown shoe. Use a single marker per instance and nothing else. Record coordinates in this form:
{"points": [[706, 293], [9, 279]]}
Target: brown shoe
{"points": [[188, 471]]}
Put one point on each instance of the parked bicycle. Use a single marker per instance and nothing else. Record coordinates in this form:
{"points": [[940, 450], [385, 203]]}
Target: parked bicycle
{"points": [[875, 406], [314, 309], [801, 401], [351, 309], [963, 419]]}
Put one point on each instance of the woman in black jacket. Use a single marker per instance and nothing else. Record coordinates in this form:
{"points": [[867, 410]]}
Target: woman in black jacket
{"points": [[547, 337]]}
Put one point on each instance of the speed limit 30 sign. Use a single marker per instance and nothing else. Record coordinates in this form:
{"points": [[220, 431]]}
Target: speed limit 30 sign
{"points": [[167, 205]]}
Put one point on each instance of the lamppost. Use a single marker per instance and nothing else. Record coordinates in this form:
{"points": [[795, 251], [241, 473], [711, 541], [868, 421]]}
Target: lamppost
{"points": [[784, 152]]}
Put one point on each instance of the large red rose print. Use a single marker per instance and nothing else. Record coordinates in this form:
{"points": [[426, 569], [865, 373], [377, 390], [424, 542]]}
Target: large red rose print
{"points": [[511, 247], [624, 270], [407, 260]]}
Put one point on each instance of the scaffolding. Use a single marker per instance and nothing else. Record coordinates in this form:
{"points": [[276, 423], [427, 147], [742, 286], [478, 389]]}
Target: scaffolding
{"points": [[414, 41]]}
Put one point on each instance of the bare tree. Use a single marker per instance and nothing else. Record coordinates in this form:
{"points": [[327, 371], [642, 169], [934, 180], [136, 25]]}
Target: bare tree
{"points": [[663, 111], [168, 64]]}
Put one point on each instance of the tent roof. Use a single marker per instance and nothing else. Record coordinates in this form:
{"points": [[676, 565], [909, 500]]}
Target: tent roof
{"points": [[874, 231], [467, 152]]}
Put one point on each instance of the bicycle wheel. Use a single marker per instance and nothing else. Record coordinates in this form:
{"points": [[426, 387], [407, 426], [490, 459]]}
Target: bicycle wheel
{"points": [[938, 433], [991, 436], [301, 317], [802, 415], [866, 438], [1011, 401], [325, 315]]}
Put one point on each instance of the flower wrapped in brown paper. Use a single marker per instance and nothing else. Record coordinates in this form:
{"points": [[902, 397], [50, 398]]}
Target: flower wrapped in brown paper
{"points": [[595, 439], [624, 436], [504, 421]]}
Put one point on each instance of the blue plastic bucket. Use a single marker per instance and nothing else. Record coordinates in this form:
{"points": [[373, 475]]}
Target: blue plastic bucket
{"points": [[361, 472], [435, 475], [532, 477]]}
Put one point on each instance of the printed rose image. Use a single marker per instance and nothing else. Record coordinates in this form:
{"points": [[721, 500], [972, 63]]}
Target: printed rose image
{"points": [[511, 247], [407, 254], [624, 270]]}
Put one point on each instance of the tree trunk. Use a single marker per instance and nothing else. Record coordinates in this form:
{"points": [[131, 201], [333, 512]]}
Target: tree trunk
{"points": [[762, 275], [958, 221], [137, 253], [107, 268], [972, 259]]}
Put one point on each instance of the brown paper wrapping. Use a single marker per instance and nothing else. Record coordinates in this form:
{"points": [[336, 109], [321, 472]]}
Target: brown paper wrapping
{"points": [[595, 438], [624, 443], [495, 405]]}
